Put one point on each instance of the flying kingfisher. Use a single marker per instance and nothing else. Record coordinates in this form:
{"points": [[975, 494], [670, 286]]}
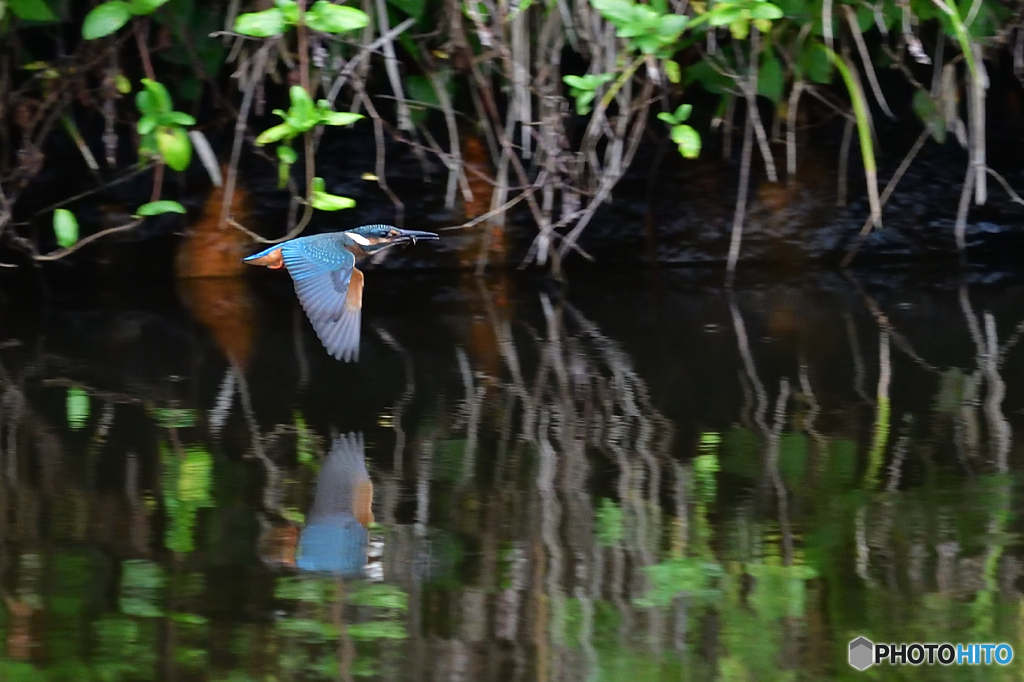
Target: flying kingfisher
{"points": [[329, 286]]}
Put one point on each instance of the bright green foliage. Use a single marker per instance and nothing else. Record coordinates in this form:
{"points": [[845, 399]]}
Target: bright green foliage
{"points": [[30, 10], [163, 129], [159, 207], [584, 89], [684, 135], [651, 29], [321, 16], [688, 576], [110, 16], [65, 226], [324, 201], [739, 15], [301, 117]]}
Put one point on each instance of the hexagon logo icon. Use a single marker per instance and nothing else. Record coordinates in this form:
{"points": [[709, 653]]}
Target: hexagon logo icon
{"points": [[862, 652]]}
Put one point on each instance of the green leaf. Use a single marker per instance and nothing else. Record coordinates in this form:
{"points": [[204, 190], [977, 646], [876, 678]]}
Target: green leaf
{"points": [[740, 29], [765, 10], [339, 118], [174, 147], [671, 25], [147, 124], [619, 12], [177, 118], [157, 100], [123, 85], [683, 112], [672, 71], [328, 18], [105, 19], [583, 100], [302, 114], [330, 202], [32, 10], [688, 141], [725, 14], [275, 133], [77, 404], [269, 22], [814, 63], [770, 78], [666, 117], [143, 7], [159, 208], [65, 226]]}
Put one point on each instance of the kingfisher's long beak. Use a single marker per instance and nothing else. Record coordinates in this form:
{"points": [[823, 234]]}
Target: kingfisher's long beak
{"points": [[411, 236]]}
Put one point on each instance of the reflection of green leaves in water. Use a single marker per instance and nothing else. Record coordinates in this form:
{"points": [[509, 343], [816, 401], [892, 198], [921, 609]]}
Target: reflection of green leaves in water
{"points": [[792, 458], [125, 649], [379, 595], [303, 588], [878, 442], [705, 469], [951, 391], [740, 455], [688, 575], [142, 584], [780, 591], [173, 417], [187, 483], [77, 407], [377, 629], [448, 457], [305, 442], [307, 629], [609, 523], [306, 637], [16, 671]]}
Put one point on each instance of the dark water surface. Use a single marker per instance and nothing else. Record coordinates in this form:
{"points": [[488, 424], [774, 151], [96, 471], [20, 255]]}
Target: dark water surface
{"points": [[630, 479]]}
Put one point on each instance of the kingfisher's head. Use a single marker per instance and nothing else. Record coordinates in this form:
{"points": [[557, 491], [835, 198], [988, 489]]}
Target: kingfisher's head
{"points": [[373, 238]]}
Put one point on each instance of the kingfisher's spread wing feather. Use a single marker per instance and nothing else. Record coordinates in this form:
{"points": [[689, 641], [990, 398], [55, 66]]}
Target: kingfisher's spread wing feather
{"points": [[330, 290]]}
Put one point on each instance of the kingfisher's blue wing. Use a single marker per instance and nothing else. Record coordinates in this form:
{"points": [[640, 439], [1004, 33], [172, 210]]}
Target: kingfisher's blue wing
{"points": [[330, 290]]}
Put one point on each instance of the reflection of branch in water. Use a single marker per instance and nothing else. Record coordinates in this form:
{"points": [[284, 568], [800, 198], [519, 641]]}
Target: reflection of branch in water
{"points": [[748, 366], [398, 411], [967, 430], [859, 373], [773, 470], [999, 427]]}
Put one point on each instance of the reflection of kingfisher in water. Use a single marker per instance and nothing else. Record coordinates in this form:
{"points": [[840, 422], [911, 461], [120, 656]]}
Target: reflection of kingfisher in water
{"points": [[335, 537], [329, 286]]}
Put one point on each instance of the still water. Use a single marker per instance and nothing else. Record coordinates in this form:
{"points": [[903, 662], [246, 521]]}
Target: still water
{"points": [[643, 478]]}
